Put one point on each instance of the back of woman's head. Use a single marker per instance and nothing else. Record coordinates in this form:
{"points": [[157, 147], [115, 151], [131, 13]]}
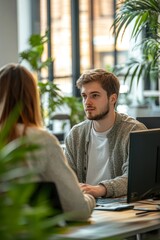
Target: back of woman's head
{"points": [[18, 86]]}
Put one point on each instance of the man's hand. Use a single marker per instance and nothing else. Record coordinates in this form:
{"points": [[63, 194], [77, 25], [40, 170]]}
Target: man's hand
{"points": [[95, 191]]}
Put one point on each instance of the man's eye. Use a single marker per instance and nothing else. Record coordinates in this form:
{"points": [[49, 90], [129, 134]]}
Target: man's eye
{"points": [[95, 95], [84, 97]]}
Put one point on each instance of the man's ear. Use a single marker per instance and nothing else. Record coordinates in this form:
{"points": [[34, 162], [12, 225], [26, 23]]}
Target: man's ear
{"points": [[113, 98]]}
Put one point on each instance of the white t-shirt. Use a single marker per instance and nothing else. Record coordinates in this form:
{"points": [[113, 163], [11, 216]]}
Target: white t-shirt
{"points": [[98, 153]]}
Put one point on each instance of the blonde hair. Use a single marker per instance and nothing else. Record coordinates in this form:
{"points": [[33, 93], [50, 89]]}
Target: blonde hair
{"points": [[17, 85]]}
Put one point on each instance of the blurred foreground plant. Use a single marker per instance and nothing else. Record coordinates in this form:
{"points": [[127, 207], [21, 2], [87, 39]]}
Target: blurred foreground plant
{"points": [[18, 219]]}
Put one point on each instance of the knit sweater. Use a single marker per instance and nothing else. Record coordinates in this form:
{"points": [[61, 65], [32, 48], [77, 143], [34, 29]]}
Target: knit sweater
{"points": [[50, 164], [76, 151]]}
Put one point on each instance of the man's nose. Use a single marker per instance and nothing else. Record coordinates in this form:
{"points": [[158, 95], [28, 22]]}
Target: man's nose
{"points": [[88, 100]]}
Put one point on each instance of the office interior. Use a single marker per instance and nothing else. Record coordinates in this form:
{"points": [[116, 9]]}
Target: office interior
{"points": [[80, 38]]}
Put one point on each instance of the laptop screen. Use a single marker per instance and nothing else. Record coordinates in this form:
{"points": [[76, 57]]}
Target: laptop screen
{"points": [[144, 165]]}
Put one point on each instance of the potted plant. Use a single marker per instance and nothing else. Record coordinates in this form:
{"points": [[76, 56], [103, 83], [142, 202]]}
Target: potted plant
{"points": [[51, 96], [142, 16]]}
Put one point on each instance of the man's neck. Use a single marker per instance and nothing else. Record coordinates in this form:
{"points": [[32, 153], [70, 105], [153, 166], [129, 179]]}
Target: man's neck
{"points": [[104, 124]]}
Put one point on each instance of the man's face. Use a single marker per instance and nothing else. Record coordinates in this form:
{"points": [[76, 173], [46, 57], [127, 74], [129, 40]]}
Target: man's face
{"points": [[96, 103]]}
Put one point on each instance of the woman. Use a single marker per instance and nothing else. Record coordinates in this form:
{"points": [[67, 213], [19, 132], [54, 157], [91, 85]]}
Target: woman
{"points": [[17, 85]]}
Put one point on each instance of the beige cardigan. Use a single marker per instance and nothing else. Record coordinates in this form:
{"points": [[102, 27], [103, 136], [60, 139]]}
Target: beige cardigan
{"points": [[50, 163]]}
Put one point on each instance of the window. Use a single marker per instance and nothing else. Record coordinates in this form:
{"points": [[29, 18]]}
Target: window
{"points": [[96, 41]]}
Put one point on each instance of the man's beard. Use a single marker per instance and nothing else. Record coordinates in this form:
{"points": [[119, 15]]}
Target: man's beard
{"points": [[100, 116]]}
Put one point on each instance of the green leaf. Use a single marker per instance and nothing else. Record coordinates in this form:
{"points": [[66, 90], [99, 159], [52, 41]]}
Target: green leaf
{"points": [[139, 24]]}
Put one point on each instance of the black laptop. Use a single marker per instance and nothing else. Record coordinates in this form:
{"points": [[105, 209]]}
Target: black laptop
{"points": [[46, 192]]}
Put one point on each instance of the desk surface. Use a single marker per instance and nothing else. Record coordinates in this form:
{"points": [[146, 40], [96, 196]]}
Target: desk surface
{"points": [[107, 224]]}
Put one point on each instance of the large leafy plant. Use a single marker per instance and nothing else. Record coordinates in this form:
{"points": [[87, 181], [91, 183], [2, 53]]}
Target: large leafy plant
{"points": [[142, 17], [51, 96], [34, 53], [49, 91]]}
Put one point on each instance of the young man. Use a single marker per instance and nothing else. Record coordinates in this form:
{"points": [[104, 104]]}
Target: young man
{"points": [[97, 149]]}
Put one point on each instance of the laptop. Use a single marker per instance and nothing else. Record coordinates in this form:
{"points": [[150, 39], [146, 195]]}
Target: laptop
{"points": [[46, 193]]}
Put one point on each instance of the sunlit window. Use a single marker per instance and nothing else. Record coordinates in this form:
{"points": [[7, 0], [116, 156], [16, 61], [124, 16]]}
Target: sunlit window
{"points": [[97, 42]]}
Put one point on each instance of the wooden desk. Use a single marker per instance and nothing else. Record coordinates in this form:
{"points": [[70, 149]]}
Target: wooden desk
{"points": [[114, 225]]}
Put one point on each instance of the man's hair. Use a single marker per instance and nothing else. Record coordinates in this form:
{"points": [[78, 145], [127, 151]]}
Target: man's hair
{"points": [[18, 86], [107, 80]]}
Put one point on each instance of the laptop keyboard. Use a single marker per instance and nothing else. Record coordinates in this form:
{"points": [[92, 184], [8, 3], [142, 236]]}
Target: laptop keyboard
{"points": [[113, 204], [101, 201]]}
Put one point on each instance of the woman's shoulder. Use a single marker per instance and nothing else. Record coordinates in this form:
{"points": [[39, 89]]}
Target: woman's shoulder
{"points": [[40, 135]]}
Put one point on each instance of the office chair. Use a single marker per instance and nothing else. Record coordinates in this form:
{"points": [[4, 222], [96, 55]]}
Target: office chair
{"points": [[150, 122], [65, 120]]}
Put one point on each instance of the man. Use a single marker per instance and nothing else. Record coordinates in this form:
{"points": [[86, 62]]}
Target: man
{"points": [[98, 148]]}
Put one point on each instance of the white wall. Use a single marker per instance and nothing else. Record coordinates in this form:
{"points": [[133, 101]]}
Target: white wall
{"points": [[15, 29], [8, 32], [23, 23]]}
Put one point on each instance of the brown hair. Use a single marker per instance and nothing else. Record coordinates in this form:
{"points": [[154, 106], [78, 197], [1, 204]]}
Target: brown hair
{"points": [[17, 85], [108, 80]]}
